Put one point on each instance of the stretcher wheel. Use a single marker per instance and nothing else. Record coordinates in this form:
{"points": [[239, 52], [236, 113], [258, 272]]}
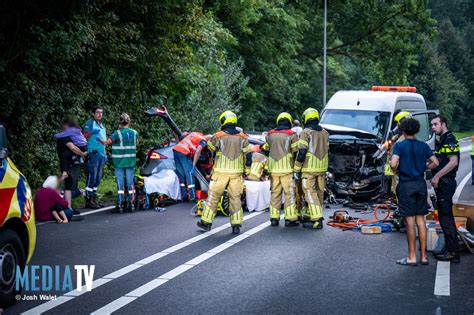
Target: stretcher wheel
{"points": [[223, 206]]}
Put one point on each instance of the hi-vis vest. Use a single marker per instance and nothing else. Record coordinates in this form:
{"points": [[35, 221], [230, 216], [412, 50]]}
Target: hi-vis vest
{"points": [[124, 147], [281, 144], [317, 145], [472, 146], [259, 164], [189, 144], [230, 152], [387, 168]]}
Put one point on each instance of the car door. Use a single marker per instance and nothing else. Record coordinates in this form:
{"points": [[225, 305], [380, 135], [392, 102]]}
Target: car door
{"points": [[426, 134]]}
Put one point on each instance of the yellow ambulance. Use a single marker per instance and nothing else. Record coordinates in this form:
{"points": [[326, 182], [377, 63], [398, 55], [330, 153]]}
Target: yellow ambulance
{"points": [[17, 223]]}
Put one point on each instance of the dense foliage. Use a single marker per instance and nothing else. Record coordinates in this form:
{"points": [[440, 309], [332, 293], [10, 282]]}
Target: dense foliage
{"points": [[257, 57]]}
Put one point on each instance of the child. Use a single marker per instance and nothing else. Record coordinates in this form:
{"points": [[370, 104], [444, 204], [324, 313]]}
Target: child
{"points": [[76, 136]]}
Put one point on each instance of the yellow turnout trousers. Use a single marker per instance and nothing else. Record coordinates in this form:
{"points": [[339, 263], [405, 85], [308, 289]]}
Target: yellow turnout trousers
{"points": [[219, 183], [313, 187], [280, 184]]}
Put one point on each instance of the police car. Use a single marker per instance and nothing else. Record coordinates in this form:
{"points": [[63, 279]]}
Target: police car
{"points": [[17, 224]]}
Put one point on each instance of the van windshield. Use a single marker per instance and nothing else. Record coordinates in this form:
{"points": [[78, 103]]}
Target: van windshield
{"points": [[372, 122]]}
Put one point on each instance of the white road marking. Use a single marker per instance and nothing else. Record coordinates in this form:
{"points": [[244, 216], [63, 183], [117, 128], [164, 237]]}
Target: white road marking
{"points": [[117, 304], [123, 271], [150, 286], [155, 283], [51, 304], [98, 210], [460, 187], [97, 283], [82, 213], [466, 148], [442, 278]]}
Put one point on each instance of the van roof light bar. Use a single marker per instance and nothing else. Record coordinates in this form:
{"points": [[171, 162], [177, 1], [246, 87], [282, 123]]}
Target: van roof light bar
{"points": [[394, 88]]}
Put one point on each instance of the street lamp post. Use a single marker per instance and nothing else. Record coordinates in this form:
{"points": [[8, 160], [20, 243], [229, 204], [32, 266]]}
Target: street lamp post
{"points": [[324, 62]]}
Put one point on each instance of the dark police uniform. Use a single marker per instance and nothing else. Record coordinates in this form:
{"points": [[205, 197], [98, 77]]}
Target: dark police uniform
{"points": [[446, 147]]}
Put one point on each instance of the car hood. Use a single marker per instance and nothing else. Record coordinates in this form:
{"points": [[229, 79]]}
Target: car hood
{"points": [[335, 130]]}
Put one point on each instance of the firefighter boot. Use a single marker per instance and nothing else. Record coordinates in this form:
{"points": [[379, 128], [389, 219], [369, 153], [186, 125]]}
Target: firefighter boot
{"points": [[203, 225], [316, 225], [235, 229], [275, 222], [289, 223]]}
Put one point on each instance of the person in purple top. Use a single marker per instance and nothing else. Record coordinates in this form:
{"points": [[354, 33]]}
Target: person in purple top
{"points": [[71, 157], [76, 136]]}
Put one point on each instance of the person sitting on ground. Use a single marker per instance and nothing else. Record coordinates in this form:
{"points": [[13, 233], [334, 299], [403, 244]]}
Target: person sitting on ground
{"points": [[409, 160], [49, 205]]}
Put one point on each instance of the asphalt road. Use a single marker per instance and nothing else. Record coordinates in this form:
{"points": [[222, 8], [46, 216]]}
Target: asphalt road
{"points": [[150, 262]]}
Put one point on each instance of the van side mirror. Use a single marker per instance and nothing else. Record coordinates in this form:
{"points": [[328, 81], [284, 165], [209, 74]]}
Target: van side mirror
{"points": [[3, 143]]}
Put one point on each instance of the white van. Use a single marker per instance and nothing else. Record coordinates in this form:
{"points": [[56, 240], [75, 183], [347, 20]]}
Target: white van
{"points": [[359, 123]]}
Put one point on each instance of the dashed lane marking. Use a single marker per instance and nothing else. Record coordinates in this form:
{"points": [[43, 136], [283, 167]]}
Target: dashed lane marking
{"points": [[442, 278], [127, 269], [164, 278]]}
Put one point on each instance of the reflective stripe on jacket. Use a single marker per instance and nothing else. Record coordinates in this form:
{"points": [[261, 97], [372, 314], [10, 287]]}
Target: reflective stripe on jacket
{"points": [[189, 144]]}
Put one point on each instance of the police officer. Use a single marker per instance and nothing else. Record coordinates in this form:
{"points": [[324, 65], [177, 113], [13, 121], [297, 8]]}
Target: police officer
{"points": [[230, 147], [312, 160], [444, 183], [281, 144]]}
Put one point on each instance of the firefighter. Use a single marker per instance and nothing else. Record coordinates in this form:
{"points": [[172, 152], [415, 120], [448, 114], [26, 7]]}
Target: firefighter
{"points": [[186, 155], [396, 137], [312, 162], [230, 147], [281, 144], [256, 165]]}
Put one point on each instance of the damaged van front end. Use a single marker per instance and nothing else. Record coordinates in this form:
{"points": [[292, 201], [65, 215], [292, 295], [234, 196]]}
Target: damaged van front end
{"points": [[356, 165]]}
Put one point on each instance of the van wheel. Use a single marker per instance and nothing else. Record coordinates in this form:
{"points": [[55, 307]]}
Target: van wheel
{"points": [[12, 254]]}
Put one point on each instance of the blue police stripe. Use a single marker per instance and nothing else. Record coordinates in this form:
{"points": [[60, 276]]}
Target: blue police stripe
{"points": [[3, 169], [21, 193]]}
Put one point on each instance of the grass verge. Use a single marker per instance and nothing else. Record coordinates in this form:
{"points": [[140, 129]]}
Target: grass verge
{"points": [[463, 134]]}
